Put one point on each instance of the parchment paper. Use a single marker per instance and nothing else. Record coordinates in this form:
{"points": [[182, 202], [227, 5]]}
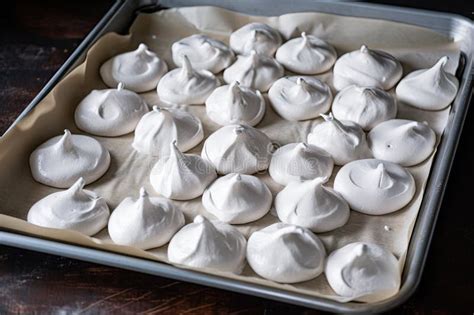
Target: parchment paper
{"points": [[414, 47]]}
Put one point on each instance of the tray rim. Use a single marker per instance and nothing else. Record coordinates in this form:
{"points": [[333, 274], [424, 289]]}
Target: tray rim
{"points": [[426, 221]]}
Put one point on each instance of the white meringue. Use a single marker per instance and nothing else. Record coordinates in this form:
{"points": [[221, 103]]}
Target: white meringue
{"points": [[363, 271], [345, 141], [401, 141], [429, 89], [235, 104], [74, 209], [181, 176], [139, 70], [374, 186], [366, 67], [208, 244], [158, 128], [255, 36], [300, 161], [255, 71], [306, 55], [61, 160], [237, 198], [286, 253], [238, 149], [367, 106], [146, 222], [110, 112], [300, 98], [311, 205], [204, 53], [186, 86]]}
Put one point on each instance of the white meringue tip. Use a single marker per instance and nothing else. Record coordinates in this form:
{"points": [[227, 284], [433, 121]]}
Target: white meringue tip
{"points": [[156, 108], [120, 86], [304, 35], [387, 228], [442, 61], [299, 230], [143, 192], [327, 117], [303, 145], [361, 249], [238, 177], [79, 184], [199, 219], [300, 81], [239, 129], [364, 48], [67, 132], [234, 84], [253, 53], [142, 47], [187, 67], [380, 167]]}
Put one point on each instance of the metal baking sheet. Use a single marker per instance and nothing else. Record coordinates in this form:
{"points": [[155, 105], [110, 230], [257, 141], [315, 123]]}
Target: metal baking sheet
{"points": [[119, 18]]}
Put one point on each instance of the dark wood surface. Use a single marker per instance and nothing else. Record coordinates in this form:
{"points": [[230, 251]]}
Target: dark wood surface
{"points": [[36, 38]]}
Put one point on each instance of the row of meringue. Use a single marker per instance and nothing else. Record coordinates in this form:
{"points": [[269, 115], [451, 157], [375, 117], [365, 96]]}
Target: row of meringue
{"points": [[149, 222], [142, 70], [401, 141]]}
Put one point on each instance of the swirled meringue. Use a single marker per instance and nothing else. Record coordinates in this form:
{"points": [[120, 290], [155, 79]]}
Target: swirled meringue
{"points": [[61, 160], [300, 98], [146, 222], [306, 55], [366, 67], [311, 205], [237, 149], [401, 141], [429, 89], [286, 253], [186, 86], [363, 271], [255, 36], [367, 106], [345, 141], [74, 209], [208, 244], [204, 53], [235, 104], [254, 71], [181, 176], [374, 186], [110, 112], [158, 128], [237, 198], [139, 70], [300, 161]]}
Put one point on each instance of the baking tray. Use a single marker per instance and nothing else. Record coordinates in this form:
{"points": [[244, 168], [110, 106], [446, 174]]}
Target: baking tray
{"points": [[119, 18]]}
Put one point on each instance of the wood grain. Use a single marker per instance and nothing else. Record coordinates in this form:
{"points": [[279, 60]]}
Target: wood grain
{"points": [[36, 38]]}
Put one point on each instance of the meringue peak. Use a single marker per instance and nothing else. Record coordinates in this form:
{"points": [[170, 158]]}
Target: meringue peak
{"points": [[208, 244], [300, 97], [429, 89], [401, 141], [65, 144], [61, 160], [74, 209], [375, 187], [140, 69], [237, 198], [367, 67], [145, 222], [187, 70]]}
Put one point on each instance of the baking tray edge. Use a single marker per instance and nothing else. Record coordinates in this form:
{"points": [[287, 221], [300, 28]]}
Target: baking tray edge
{"points": [[121, 15]]}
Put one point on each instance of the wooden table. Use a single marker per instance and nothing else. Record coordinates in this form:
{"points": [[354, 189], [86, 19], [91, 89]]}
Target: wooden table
{"points": [[36, 39]]}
